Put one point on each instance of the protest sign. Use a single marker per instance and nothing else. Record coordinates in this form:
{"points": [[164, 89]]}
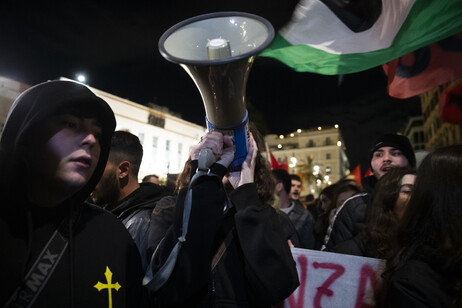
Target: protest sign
{"points": [[334, 280]]}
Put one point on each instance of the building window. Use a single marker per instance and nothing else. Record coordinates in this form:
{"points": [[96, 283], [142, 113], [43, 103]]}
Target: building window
{"points": [[167, 154], [328, 141], [141, 137], [327, 156], [180, 152], [156, 121], [154, 147], [311, 143]]}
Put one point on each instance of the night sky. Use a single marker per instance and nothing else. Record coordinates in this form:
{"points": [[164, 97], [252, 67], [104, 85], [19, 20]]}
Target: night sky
{"points": [[116, 48]]}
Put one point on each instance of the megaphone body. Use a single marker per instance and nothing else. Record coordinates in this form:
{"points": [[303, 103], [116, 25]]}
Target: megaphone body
{"points": [[217, 50]]}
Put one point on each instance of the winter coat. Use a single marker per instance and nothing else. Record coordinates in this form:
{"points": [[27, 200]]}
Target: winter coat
{"points": [[135, 211], [350, 218], [304, 224], [418, 284], [257, 268]]}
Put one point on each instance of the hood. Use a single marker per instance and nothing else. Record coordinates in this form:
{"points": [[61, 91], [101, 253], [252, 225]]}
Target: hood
{"points": [[145, 197], [30, 110]]}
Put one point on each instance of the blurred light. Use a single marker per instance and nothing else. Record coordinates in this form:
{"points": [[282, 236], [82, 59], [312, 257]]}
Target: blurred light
{"points": [[339, 143], [319, 128], [299, 130], [329, 183], [281, 136], [315, 169], [293, 159], [326, 178], [292, 134], [81, 78], [336, 125], [318, 182], [279, 146]]}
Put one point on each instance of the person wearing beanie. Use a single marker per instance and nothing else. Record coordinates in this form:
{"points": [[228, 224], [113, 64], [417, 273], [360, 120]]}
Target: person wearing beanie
{"points": [[390, 150], [387, 152]]}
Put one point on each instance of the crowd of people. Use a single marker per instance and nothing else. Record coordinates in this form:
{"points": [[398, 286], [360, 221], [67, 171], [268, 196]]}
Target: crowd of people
{"points": [[79, 228]]}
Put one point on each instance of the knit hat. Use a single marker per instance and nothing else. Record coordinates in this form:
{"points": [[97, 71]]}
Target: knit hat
{"points": [[396, 141]]}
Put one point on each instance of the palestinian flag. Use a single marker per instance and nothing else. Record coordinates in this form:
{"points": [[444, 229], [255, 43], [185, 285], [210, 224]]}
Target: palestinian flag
{"points": [[334, 37]]}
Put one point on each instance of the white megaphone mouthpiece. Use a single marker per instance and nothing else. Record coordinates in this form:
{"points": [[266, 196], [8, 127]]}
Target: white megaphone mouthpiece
{"points": [[217, 50]]}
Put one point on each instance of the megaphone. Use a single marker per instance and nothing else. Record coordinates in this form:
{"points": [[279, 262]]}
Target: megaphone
{"points": [[217, 50]]}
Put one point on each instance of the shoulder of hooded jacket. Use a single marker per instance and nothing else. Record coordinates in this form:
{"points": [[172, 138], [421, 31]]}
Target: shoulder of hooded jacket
{"points": [[94, 214]]}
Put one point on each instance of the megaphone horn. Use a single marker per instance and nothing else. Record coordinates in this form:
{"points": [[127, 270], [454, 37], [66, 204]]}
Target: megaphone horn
{"points": [[217, 50]]}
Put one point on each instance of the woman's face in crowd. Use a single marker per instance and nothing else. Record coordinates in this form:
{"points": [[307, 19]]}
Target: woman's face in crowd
{"points": [[325, 202], [405, 192]]}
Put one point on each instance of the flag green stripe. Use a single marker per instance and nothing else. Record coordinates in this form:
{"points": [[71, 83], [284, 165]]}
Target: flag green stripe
{"points": [[429, 21]]}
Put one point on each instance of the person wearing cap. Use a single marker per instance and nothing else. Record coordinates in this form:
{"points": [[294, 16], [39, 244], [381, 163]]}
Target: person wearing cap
{"points": [[58, 250], [388, 151]]}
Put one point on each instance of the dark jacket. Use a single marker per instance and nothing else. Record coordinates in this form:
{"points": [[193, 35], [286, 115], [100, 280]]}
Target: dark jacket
{"points": [[419, 284], [351, 216], [135, 211], [349, 221], [257, 268], [304, 224], [98, 244], [356, 246]]}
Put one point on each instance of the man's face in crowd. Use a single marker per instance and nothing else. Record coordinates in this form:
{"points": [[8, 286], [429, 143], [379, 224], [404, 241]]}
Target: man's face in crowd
{"points": [[107, 189], [385, 158], [68, 151], [295, 190]]}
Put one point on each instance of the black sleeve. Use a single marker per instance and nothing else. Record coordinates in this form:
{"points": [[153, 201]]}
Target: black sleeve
{"points": [[192, 270], [161, 221], [270, 270]]}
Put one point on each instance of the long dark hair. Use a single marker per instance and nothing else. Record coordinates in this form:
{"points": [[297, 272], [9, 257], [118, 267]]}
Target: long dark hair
{"points": [[431, 228], [344, 185], [263, 177], [382, 222], [322, 222]]}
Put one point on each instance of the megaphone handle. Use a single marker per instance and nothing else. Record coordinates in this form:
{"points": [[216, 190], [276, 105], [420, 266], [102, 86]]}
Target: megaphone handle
{"points": [[206, 159]]}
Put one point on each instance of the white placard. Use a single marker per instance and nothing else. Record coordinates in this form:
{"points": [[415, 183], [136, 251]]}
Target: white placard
{"points": [[334, 280]]}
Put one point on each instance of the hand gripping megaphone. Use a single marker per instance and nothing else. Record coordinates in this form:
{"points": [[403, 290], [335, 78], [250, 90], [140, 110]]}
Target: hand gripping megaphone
{"points": [[217, 50]]}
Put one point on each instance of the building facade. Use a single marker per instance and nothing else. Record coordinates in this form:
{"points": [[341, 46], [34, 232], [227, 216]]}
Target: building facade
{"points": [[317, 155], [438, 133], [166, 138]]}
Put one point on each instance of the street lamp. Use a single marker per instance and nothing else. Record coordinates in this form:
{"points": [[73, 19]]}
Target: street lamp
{"points": [[81, 78]]}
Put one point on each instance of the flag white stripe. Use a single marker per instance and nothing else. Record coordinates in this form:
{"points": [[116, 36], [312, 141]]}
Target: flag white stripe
{"points": [[315, 25]]}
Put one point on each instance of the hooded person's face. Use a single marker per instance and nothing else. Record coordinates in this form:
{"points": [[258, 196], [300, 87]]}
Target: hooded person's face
{"points": [[65, 153]]}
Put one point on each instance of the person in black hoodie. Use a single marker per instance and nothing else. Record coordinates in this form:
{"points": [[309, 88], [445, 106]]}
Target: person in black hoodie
{"points": [[120, 192], [228, 254], [58, 250]]}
